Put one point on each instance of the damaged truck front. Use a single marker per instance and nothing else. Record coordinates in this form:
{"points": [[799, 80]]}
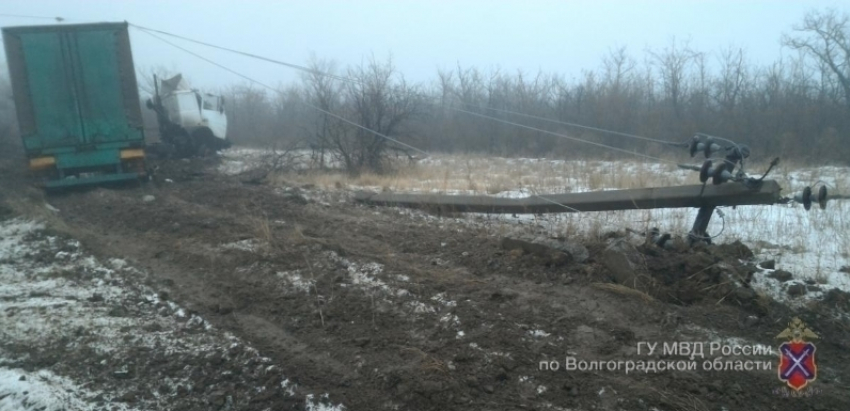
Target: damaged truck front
{"points": [[191, 123]]}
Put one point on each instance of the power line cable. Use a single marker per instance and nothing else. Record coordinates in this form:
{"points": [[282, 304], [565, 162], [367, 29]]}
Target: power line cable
{"points": [[352, 80], [576, 125], [565, 136], [343, 119], [24, 16], [151, 31], [282, 63]]}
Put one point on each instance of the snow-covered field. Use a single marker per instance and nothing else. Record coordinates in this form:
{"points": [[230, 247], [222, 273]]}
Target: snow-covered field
{"points": [[813, 245]]}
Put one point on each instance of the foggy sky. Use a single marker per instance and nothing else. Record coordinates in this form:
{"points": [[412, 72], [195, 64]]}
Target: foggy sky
{"points": [[553, 36]]}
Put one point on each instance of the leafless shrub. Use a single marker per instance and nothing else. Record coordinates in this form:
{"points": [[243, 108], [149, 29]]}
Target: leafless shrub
{"points": [[377, 98], [276, 160]]}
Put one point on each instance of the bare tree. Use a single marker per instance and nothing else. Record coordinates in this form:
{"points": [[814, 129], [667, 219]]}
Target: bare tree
{"points": [[730, 83], [470, 86], [378, 99], [250, 115], [826, 37], [673, 63], [145, 77], [323, 92], [617, 65]]}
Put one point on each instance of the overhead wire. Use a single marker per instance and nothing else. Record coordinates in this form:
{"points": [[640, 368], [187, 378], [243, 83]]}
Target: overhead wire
{"points": [[352, 80], [581, 126], [341, 78], [152, 31], [338, 117], [24, 16], [593, 143], [246, 54]]}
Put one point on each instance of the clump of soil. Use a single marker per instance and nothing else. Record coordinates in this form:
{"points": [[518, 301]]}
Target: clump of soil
{"points": [[684, 276]]}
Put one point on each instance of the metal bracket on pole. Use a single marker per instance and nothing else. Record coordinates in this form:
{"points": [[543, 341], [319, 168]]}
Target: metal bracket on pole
{"points": [[698, 232]]}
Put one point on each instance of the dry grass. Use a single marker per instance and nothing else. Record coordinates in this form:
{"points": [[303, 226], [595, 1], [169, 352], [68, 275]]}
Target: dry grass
{"points": [[263, 229], [428, 362], [485, 175], [623, 290]]}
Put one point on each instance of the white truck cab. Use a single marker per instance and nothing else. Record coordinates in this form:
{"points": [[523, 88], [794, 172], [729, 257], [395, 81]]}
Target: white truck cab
{"points": [[189, 119]]}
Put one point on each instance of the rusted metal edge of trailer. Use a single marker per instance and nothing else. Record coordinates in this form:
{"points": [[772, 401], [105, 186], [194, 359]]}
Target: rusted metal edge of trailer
{"points": [[766, 192]]}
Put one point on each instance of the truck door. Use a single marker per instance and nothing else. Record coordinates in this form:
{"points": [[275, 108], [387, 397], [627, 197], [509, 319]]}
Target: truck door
{"points": [[52, 117], [101, 78]]}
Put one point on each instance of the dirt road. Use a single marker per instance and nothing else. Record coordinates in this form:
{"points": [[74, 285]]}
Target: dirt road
{"points": [[335, 304]]}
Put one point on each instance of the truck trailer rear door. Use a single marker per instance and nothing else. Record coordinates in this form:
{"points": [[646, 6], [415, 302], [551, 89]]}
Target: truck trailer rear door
{"points": [[56, 123], [101, 81]]}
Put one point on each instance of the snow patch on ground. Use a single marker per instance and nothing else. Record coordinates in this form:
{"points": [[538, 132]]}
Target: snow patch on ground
{"points": [[237, 160], [296, 281], [361, 275], [365, 276], [249, 245], [43, 391], [538, 333], [321, 404], [55, 296]]}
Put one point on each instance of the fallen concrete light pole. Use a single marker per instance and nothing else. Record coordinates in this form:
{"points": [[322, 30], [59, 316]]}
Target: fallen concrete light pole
{"points": [[766, 193]]}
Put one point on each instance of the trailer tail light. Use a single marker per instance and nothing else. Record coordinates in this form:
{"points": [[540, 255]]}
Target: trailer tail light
{"points": [[132, 154], [42, 163]]}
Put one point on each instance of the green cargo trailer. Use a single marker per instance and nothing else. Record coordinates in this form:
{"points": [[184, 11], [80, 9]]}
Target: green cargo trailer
{"points": [[77, 102]]}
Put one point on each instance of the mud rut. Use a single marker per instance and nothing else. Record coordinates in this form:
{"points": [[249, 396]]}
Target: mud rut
{"points": [[449, 320]]}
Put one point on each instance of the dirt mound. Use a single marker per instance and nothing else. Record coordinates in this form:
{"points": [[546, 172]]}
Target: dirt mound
{"points": [[705, 273]]}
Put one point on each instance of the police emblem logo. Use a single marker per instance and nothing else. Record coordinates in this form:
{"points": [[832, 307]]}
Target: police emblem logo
{"points": [[797, 366]]}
